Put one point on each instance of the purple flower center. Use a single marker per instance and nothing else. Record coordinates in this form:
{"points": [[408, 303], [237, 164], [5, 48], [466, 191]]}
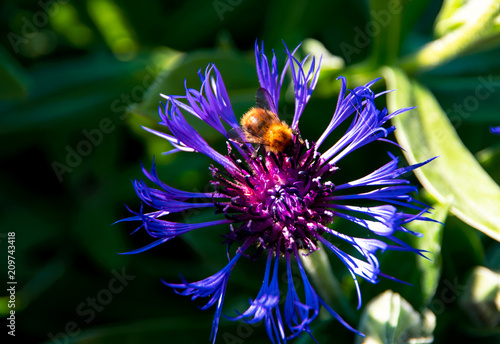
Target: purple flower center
{"points": [[277, 199]]}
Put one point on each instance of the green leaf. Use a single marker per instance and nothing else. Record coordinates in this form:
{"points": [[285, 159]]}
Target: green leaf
{"points": [[329, 62], [389, 318], [456, 13], [426, 132], [430, 269], [449, 17], [478, 26]]}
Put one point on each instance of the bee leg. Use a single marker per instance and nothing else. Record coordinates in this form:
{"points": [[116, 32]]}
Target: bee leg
{"points": [[256, 152], [297, 135]]}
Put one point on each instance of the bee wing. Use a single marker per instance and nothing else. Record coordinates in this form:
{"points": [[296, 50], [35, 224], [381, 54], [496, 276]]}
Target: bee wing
{"points": [[264, 100], [235, 135]]}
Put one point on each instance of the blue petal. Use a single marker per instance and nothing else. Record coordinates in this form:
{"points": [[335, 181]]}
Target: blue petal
{"points": [[369, 269], [268, 78], [346, 106], [365, 127], [162, 200], [397, 194], [167, 229], [385, 175], [189, 137], [170, 191], [174, 141], [266, 304], [213, 287], [383, 227], [147, 247], [303, 83], [299, 315], [223, 103]]}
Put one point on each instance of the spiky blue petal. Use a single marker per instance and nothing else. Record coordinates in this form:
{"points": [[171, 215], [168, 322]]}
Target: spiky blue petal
{"points": [[213, 287], [266, 305], [303, 83]]}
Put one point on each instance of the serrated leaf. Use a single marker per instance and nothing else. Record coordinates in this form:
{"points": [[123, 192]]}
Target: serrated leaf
{"points": [[389, 318], [426, 132]]}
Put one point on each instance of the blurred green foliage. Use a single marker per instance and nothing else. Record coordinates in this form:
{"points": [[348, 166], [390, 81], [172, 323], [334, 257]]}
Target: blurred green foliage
{"points": [[79, 78]]}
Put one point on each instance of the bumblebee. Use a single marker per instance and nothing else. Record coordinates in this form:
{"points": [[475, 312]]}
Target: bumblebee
{"points": [[261, 125]]}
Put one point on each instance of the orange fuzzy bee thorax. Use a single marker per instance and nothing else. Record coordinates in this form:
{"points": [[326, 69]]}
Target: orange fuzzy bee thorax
{"points": [[264, 127], [279, 137]]}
